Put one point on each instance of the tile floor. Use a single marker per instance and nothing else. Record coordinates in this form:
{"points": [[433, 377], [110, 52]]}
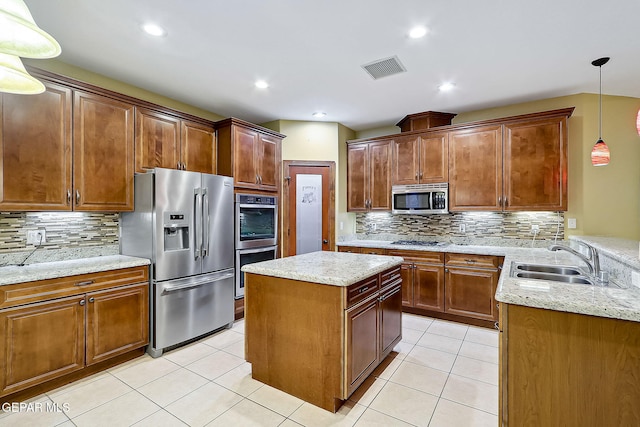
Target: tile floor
{"points": [[444, 374]]}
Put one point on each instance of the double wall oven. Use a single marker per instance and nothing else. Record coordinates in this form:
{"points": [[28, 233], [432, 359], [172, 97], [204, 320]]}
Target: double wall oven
{"points": [[256, 232]]}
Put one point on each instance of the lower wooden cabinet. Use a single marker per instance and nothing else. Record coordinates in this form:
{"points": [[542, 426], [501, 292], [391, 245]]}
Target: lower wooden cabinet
{"points": [[567, 369], [390, 319], [470, 285], [42, 341], [362, 342], [422, 279]]}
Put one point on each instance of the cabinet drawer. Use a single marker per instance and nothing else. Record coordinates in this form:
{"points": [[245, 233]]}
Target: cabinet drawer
{"points": [[470, 260], [361, 290], [23, 293], [373, 251], [390, 277], [418, 256]]}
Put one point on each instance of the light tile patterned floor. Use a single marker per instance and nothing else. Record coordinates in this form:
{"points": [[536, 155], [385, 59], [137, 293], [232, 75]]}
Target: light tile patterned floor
{"points": [[444, 374]]}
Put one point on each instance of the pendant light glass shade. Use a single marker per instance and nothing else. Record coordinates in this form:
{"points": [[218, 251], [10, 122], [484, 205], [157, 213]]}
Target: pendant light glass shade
{"points": [[19, 34], [600, 154], [15, 79], [638, 122]]}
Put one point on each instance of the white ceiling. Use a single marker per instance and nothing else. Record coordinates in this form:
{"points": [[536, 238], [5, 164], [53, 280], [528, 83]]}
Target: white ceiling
{"points": [[497, 52]]}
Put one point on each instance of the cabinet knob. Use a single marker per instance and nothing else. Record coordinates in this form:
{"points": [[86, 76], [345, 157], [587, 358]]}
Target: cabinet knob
{"points": [[446, 270], [82, 302], [92, 299]]}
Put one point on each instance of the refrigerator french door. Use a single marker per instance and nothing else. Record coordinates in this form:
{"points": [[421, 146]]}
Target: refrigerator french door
{"points": [[183, 222]]}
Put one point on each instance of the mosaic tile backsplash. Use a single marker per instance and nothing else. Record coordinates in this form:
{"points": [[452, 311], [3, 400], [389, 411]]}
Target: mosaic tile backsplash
{"points": [[503, 225], [68, 230]]}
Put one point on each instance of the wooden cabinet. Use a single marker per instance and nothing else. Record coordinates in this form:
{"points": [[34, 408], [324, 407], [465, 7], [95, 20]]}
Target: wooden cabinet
{"points": [[362, 250], [361, 323], [535, 164], [249, 153], [102, 153], [117, 321], [35, 150], [166, 141], [559, 368], [470, 285], [422, 279], [57, 327], [420, 159], [475, 169], [66, 149], [520, 164], [369, 176]]}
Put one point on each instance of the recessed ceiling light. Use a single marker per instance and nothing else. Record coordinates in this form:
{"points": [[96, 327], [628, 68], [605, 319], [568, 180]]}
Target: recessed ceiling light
{"points": [[417, 32], [319, 114], [261, 84], [446, 87], [154, 30]]}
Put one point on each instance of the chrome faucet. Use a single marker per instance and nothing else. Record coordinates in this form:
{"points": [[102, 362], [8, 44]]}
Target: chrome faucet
{"points": [[593, 261]]}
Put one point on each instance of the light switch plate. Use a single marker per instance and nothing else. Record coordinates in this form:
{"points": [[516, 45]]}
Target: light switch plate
{"points": [[571, 223]]}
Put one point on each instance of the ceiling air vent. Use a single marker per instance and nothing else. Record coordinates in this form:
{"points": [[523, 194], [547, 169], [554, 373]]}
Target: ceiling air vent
{"points": [[384, 67]]}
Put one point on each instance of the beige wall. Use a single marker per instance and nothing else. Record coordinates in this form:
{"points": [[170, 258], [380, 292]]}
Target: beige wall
{"points": [[379, 131], [58, 67]]}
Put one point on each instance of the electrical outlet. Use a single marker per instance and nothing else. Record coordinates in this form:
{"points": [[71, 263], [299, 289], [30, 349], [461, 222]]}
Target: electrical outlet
{"points": [[462, 228], [341, 225], [34, 237], [535, 229], [571, 223]]}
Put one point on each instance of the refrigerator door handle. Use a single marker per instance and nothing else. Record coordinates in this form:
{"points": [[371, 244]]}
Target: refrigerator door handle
{"points": [[197, 284], [197, 219], [207, 222]]}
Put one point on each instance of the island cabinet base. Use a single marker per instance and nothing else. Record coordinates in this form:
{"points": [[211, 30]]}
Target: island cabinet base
{"points": [[566, 369], [319, 342]]}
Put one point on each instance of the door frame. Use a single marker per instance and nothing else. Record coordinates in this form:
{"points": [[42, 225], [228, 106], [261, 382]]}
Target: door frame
{"points": [[285, 200]]}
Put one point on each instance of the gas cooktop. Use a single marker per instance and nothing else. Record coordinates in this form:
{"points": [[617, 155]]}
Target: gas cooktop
{"points": [[418, 243]]}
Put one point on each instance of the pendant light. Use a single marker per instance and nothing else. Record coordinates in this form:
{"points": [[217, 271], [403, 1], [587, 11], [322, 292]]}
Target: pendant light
{"points": [[638, 122], [19, 34], [21, 37], [600, 153]]}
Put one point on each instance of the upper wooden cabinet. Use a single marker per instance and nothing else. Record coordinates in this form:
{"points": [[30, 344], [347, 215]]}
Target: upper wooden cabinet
{"points": [[249, 153], [37, 140], [369, 176], [475, 169], [420, 159], [520, 164], [35, 150], [535, 164], [102, 153], [166, 141]]}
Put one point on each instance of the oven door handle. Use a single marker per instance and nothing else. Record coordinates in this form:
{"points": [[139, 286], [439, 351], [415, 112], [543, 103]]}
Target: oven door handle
{"points": [[197, 284]]}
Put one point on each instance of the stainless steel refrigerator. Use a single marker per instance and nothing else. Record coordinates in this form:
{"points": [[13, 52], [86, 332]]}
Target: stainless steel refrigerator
{"points": [[184, 223]]}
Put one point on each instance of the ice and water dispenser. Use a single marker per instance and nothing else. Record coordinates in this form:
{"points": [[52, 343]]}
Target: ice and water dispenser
{"points": [[176, 231]]}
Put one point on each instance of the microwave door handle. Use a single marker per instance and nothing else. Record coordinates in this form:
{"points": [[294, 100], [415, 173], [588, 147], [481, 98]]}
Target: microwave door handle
{"points": [[197, 220], [207, 223]]}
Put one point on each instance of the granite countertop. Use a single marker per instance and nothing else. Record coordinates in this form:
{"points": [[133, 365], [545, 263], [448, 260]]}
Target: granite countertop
{"points": [[618, 302], [50, 270], [329, 268]]}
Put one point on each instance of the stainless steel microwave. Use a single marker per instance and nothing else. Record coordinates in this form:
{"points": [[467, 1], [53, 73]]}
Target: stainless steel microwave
{"points": [[420, 199]]}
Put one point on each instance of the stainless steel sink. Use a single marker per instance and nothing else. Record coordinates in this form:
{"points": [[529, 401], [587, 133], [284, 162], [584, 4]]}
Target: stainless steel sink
{"points": [[555, 269], [555, 277], [555, 273]]}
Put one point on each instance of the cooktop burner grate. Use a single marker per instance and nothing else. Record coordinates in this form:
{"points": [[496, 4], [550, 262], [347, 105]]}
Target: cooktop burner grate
{"points": [[418, 243]]}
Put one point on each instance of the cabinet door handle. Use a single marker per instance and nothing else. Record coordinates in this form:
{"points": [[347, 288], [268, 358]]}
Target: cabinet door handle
{"points": [[416, 176], [420, 175], [68, 197], [470, 261], [499, 200], [506, 201], [82, 302], [77, 197], [363, 289], [495, 325], [92, 299], [257, 180], [85, 283], [178, 166], [446, 270]]}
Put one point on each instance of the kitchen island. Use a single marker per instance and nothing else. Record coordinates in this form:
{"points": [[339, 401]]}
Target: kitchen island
{"points": [[316, 325]]}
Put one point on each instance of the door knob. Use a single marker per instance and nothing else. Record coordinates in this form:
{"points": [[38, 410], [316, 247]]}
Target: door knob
{"points": [[325, 241]]}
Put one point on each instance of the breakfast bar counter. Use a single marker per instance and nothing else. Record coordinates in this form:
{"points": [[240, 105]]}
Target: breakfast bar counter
{"points": [[316, 325]]}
